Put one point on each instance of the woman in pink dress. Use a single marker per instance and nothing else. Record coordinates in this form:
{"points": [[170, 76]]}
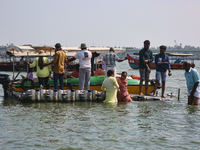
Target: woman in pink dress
{"points": [[123, 95]]}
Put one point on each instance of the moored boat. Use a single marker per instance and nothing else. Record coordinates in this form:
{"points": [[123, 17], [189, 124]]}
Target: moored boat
{"points": [[176, 61], [10, 60], [19, 86]]}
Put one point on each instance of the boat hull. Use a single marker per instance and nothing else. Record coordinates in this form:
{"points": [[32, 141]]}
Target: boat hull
{"points": [[95, 84], [132, 89]]}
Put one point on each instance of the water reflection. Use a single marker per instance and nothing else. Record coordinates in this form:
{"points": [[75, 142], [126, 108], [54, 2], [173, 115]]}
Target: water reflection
{"points": [[191, 109], [9, 101]]}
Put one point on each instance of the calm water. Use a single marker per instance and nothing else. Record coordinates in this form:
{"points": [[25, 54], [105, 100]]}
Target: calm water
{"points": [[84, 125]]}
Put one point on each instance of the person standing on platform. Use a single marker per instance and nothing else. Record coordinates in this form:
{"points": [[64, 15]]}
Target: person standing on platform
{"points": [[43, 73], [84, 57], [59, 61], [193, 83], [145, 57], [110, 59], [162, 62]]}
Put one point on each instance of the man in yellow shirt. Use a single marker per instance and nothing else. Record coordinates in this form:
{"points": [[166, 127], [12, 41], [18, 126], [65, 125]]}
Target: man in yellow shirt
{"points": [[59, 62]]}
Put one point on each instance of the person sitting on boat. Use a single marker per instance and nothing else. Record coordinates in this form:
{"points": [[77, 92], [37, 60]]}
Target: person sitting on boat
{"points": [[162, 62], [30, 73], [111, 86], [94, 55], [99, 71], [193, 83], [21, 61], [75, 73], [43, 73], [145, 57], [123, 95], [110, 59], [177, 61]]}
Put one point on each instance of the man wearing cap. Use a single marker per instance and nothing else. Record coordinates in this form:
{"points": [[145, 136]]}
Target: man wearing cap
{"points": [[145, 57], [84, 57], [59, 62], [110, 59]]}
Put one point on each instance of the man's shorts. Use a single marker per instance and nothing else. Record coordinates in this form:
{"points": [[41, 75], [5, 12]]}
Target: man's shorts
{"points": [[163, 75], [144, 74], [196, 93]]}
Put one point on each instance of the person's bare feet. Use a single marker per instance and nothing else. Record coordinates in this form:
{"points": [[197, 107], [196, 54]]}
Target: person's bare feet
{"points": [[163, 96], [147, 94], [154, 95]]}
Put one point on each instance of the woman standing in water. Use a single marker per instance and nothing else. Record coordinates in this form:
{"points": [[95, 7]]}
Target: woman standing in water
{"points": [[123, 95], [111, 86]]}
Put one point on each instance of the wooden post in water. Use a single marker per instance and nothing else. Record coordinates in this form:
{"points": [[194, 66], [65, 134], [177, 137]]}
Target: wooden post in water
{"points": [[27, 64], [50, 55], [178, 94]]}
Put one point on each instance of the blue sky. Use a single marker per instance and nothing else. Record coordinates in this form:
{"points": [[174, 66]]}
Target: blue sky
{"points": [[100, 22]]}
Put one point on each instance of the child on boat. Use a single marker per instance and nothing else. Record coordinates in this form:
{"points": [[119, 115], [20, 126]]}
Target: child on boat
{"points": [[30, 73], [75, 73]]}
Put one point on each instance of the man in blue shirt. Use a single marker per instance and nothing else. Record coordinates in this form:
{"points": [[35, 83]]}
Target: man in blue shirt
{"points": [[193, 83], [162, 64]]}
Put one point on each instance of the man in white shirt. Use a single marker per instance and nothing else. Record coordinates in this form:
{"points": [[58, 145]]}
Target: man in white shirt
{"points": [[84, 57]]}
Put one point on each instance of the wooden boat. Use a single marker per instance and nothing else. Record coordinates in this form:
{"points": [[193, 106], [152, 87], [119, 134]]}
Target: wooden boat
{"points": [[22, 85], [176, 60], [10, 60]]}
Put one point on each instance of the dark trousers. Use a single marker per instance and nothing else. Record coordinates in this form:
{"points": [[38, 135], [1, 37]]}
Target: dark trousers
{"points": [[60, 77], [46, 81]]}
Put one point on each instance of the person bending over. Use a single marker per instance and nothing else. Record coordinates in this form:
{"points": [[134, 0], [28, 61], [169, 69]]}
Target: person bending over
{"points": [[193, 83]]}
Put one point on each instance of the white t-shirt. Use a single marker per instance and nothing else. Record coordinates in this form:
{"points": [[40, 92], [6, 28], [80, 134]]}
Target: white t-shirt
{"points": [[84, 57]]}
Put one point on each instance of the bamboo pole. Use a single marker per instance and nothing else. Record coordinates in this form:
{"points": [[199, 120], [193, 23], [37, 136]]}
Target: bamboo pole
{"points": [[27, 64], [50, 55], [13, 64]]}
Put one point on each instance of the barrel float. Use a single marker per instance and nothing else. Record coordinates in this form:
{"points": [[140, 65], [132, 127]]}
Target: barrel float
{"points": [[41, 95]]}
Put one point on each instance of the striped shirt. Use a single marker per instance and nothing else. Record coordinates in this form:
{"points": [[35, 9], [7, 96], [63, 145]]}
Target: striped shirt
{"points": [[110, 59]]}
